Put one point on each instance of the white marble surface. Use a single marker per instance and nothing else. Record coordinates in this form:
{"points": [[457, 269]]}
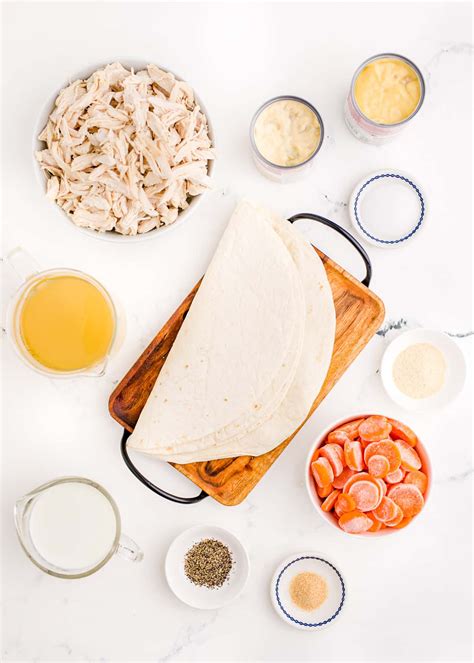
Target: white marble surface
{"points": [[408, 594]]}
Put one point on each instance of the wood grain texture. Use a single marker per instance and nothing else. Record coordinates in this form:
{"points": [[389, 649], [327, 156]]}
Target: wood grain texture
{"points": [[359, 313]]}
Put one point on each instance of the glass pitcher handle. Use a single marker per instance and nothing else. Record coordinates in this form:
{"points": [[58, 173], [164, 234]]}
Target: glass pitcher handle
{"points": [[128, 549], [23, 265]]}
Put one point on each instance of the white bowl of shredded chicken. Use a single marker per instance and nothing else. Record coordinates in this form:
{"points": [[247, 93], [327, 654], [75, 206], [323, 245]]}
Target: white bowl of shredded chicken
{"points": [[125, 152]]}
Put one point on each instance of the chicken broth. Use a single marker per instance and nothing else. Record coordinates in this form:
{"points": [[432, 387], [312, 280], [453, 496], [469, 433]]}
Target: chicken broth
{"points": [[66, 323]]}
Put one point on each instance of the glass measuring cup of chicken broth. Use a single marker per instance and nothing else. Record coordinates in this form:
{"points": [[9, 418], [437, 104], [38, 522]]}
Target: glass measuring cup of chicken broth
{"points": [[61, 322], [386, 93], [286, 133]]}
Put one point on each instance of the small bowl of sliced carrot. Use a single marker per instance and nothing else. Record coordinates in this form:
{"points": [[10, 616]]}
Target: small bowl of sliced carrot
{"points": [[368, 475]]}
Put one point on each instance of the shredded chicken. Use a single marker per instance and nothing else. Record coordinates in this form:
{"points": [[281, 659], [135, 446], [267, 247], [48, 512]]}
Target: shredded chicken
{"points": [[125, 151]]}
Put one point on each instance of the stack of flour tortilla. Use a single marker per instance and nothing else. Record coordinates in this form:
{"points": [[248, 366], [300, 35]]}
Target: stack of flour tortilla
{"points": [[252, 352]]}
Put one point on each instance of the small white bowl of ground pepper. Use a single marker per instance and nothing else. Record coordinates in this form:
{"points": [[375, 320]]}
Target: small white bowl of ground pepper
{"points": [[206, 567]]}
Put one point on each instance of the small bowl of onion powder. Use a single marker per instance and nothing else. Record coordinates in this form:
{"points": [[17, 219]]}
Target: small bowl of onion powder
{"points": [[423, 370], [206, 567], [308, 591]]}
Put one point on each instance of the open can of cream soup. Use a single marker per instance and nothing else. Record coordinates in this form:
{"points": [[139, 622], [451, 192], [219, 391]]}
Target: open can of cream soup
{"points": [[386, 93], [286, 133]]}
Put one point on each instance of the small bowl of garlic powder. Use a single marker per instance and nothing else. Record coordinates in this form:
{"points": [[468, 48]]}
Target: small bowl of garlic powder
{"points": [[307, 591], [423, 370]]}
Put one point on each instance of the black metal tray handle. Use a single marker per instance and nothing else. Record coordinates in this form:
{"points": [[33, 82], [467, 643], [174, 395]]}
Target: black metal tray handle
{"points": [[345, 233], [123, 445], [146, 482]]}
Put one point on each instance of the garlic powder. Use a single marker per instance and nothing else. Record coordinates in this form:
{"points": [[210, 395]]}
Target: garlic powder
{"points": [[308, 591], [419, 371]]}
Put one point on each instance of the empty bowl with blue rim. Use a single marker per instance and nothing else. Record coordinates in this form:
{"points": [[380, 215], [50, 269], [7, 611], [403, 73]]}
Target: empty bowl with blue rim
{"points": [[388, 208], [309, 580]]}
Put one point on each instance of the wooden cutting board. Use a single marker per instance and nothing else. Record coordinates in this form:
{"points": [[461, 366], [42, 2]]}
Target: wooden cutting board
{"points": [[359, 313]]}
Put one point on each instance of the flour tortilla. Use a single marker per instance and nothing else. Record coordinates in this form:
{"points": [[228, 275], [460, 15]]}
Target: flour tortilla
{"points": [[280, 416], [320, 327], [238, 349]]}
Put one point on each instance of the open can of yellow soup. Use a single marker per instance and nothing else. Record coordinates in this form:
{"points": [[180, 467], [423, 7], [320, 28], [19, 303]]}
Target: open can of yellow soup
{"points": [[62, 322], [386, 93], [286, 133]]}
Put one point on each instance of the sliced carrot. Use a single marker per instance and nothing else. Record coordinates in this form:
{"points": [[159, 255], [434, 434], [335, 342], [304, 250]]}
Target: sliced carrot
{"points": [[353, 455], [355, 522], [386, 510], [366, 495], [395, 477], [322, 472], [335, 455], [330, 500], [351, 428], [338, 437], [363, 443], [337, 510], [340, 481], [375, 428], [324, 491], [410, 460], [315, 456], [397, 519], [402, 432], [418, 479], [408, 497], [382, 490], [359, 476], [340, 452], [383, 486], [345, 503], [385, 448], [378, 466], [376, 524]]}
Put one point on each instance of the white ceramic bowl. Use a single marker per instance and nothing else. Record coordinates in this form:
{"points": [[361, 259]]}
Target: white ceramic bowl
{"points": [[455, 369], [39, 145], [330, 517], [203, 597], [328, 612], [388, 208]]}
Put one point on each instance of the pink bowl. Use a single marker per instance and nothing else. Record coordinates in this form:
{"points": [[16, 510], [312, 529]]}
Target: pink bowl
{"points": [[330, 517]]}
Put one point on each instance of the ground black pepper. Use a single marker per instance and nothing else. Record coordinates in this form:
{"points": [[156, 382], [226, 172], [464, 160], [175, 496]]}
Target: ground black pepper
{"points": [[208, 563]]}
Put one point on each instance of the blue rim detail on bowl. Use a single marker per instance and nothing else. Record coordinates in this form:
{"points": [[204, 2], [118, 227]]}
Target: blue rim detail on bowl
{"points": [[420, 220], [297, 621]]}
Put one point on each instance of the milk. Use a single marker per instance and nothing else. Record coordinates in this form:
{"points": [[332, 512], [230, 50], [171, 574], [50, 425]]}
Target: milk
{"points": [[73, 526]]}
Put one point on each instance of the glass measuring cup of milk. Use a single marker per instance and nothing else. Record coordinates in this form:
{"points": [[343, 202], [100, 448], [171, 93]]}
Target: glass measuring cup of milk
{"points": [[70, 528]]}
